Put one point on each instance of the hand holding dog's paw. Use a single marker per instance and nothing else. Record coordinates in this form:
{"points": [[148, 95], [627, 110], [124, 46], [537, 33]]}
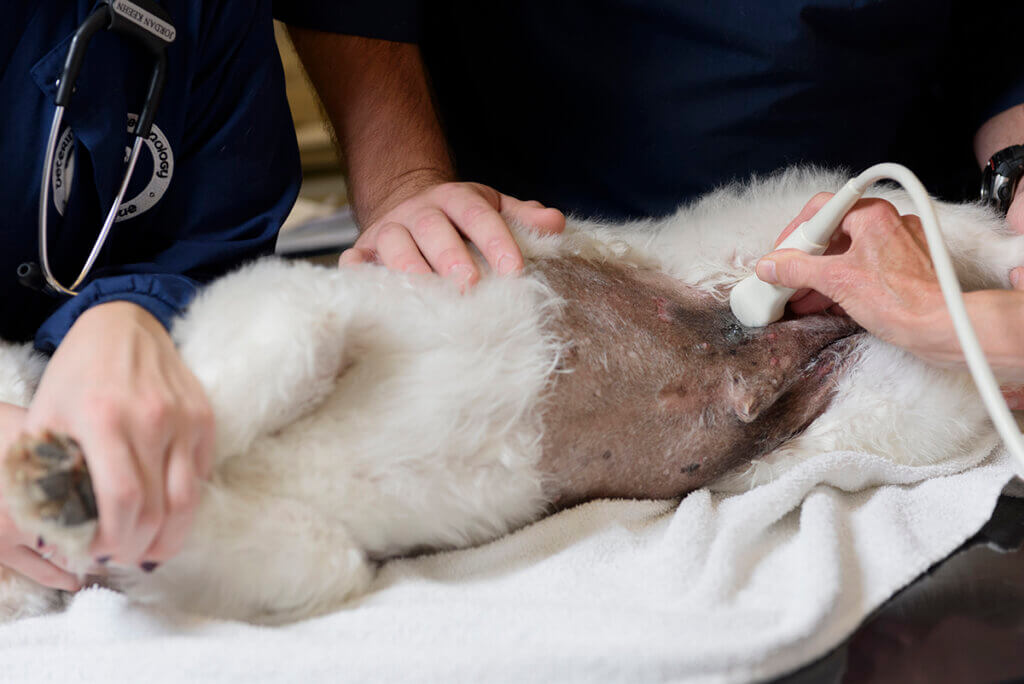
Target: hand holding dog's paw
{"points": [[118, 386]]}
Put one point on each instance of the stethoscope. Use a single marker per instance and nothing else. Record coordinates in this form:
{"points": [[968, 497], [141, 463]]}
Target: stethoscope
{"points": [[149, 24]]}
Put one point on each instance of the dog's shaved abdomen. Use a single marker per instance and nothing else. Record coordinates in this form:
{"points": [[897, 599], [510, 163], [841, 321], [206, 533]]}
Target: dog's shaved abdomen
{"points": [[663, 376]]}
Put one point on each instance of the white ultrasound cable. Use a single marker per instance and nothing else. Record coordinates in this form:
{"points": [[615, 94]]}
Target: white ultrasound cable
{"points": [[757, 303]]}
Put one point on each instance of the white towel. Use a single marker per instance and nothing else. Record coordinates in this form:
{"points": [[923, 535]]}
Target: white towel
{"points": [[719, 588]]}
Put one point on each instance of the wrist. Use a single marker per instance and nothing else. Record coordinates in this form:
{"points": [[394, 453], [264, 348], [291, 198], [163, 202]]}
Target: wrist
{"points": [[998, 320], [999, 132], [929, 334], [397, 189], [104, 317], [997, 317]]}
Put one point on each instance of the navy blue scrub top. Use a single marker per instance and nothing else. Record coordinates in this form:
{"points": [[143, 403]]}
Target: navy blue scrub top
{"points": [[213, 184], [626, 108]]}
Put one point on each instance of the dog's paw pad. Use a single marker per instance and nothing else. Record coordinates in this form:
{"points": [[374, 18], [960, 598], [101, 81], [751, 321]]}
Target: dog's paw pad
{"points": [[51, 481]]}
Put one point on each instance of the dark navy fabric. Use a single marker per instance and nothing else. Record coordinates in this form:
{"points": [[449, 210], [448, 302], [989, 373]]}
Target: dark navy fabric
{"points": [[226, 146], [397, 20], [626, 108]]}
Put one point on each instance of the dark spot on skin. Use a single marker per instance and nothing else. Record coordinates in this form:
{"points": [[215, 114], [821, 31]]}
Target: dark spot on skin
{"points": [[149, 566], [103, 560], [734, 333], [692, 468], [40, 543], [606, 455]]}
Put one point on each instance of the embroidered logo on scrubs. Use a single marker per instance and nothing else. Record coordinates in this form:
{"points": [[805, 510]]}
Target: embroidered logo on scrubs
{"points": [[160, 166]]}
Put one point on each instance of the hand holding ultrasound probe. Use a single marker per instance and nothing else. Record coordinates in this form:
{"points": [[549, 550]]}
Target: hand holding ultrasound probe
{"points": [[886, 283]]}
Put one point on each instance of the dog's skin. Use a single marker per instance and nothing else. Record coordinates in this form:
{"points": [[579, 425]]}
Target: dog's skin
{"points": [[365, 414]]}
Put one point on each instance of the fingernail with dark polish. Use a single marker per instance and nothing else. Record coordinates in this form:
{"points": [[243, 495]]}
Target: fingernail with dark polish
{"points": [[103, 560], [149, 566]]}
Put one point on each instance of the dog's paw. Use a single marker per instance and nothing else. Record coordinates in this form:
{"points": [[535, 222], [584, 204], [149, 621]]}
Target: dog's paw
{"points": [[49, 492]]}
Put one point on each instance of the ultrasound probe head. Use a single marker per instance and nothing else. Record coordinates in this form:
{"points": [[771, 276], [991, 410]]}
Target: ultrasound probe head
{"points": [[756, 303]]}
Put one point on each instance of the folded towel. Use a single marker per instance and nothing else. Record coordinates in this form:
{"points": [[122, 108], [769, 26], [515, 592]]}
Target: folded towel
{"points": [[717, 588]]}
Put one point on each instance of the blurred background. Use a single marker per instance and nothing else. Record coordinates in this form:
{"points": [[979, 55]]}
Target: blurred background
{"points": [[320, 224]]}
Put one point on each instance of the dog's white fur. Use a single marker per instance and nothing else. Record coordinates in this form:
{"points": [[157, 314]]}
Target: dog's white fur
{"points": [[363, 413]]}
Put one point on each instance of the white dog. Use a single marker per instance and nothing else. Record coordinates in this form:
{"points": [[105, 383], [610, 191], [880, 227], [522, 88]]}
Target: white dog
{"points": [[364, 414]]}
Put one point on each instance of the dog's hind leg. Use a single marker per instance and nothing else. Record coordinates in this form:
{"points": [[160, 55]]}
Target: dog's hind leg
{"points": [[267, 343], [257, 558], [250, 556]]}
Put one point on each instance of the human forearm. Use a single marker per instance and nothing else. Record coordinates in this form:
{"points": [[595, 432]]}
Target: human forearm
{"points": [[376, 95], [412, 217], [998, 319], [999, 132]]}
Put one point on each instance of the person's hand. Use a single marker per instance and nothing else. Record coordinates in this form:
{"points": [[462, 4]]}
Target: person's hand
{"points": [[117, 385], [428, 232], [883, 277], [19, 551], [1013, 393]]}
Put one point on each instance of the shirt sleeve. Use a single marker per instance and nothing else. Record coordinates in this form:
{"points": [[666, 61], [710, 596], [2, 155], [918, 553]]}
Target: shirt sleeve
{"points": [[234, 182], [397, 20]]}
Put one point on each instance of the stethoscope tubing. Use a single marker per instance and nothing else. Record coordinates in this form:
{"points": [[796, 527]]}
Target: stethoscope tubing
{"points": [[44, 203], [155, 31]]}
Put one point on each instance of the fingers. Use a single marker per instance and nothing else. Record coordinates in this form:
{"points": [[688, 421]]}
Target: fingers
{"points": [[868, 216], [817, 302], [533, 214], [27, 562], [429, 231], [870, 225], [479, 220], [356, 255], [442, 247], [1017, 278], [397, 250], [119, 494], [874, 218], [813, 302], [206, 438], [795, 269], [809, 210], [181, 500]]}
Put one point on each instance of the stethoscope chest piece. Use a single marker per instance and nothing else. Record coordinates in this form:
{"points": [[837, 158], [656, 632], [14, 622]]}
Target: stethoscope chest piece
{"points": [[147, 23]]}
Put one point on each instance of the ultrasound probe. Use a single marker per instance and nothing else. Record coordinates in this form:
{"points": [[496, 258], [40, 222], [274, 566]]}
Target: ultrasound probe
{"points": [[756, 303]]}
